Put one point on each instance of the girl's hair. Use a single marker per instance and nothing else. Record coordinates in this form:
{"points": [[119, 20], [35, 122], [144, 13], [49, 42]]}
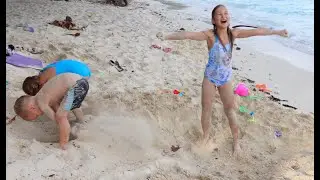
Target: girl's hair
{"points": [[230, 36]]}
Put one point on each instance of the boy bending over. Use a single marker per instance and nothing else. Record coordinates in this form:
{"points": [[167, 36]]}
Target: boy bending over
{"points": [[60, 95]]}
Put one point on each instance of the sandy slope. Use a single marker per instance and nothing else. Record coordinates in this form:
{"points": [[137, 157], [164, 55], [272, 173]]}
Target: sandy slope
{"points": [[131, 123]]}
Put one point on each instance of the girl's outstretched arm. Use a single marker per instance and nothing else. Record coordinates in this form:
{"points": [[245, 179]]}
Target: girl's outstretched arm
{"points": [[198, 36], [244, 33]]}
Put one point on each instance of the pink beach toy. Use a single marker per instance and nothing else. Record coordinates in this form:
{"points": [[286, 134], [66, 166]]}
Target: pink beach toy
{"points": [[241, 90]]}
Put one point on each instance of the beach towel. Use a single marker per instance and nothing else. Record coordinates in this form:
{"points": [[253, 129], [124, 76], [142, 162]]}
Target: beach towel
{"points": [[23, 61]]}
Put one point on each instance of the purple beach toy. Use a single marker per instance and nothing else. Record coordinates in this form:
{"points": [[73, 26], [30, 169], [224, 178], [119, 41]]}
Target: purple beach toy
{"points": [[28, 28], [278, 133], [24, 61]]}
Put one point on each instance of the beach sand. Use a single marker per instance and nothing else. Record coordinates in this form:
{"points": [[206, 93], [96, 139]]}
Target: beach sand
{"points": [[133, 118]]}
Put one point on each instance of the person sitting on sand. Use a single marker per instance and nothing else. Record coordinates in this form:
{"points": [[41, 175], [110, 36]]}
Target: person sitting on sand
{"points": [[66, 24], [59, 96], [218, 70], [33, 84]]}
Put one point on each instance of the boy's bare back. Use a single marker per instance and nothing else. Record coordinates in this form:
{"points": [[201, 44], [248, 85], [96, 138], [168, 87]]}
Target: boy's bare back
{"points": [[54, 90]]}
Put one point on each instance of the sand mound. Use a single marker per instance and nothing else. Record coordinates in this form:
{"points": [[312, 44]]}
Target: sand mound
{"points": [[131, 123], [132, 140]]}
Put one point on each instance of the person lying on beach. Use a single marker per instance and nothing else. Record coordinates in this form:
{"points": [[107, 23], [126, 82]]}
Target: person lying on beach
{"points": [[59, 96], [218, 72], [33, 84], [66, 24]]}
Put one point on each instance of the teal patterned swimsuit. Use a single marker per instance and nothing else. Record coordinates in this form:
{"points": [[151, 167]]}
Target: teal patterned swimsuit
{"points": [[219, 66]]}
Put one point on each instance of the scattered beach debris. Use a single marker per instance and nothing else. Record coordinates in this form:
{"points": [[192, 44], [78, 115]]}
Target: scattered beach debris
{"points": [[28, 28], [35, 51], [238, 48], [244, 109], [176, 91], [284, 129], [51, 175], [267, 93], [11, 120], [166, 50], [241, 90], [164, 91], [250, 81], [182, 29], [252, 119], [263, 88], [247, 79], [25, 27], [117, 65], [278, 133], [272, 98], [66, 24], [155, 46], [121, 3], [286, 105], [74, 34], [234, 68], [175, 148], [10, 50], [295, 167]]}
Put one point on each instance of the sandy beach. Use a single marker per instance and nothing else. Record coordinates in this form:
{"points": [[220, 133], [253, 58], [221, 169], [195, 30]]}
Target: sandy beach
{"points": [[133, 118]]}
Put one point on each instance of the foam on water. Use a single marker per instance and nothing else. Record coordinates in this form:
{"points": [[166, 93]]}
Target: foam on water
{"points": [[296, 16]]}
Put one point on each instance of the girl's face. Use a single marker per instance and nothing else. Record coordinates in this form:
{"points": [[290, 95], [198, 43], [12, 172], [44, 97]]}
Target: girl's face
{"points": [[221, 17]]}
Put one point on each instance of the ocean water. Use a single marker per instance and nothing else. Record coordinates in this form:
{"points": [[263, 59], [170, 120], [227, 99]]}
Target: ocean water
{"points": [[294, 15]]}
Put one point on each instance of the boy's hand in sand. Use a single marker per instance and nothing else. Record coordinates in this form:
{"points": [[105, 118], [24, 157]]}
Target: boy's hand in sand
{"points": [[64, 127]]}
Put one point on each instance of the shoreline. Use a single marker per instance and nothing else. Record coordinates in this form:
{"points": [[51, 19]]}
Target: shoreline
{"points": [[202, 11]]}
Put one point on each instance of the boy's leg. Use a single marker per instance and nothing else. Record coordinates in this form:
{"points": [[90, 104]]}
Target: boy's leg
{"points": [[79, 114], [228, 100], [72, 102], [208, 92]]}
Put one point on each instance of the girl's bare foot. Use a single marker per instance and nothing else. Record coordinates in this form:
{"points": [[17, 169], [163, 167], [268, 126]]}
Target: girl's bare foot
{"points": [[236, 149]]}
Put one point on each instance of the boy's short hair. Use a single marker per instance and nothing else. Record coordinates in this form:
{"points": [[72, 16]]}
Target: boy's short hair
{"points": [[31, 85], [19, 105]]}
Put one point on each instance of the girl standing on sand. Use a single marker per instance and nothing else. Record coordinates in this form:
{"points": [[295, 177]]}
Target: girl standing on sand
{"points": [[218, 71]]}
